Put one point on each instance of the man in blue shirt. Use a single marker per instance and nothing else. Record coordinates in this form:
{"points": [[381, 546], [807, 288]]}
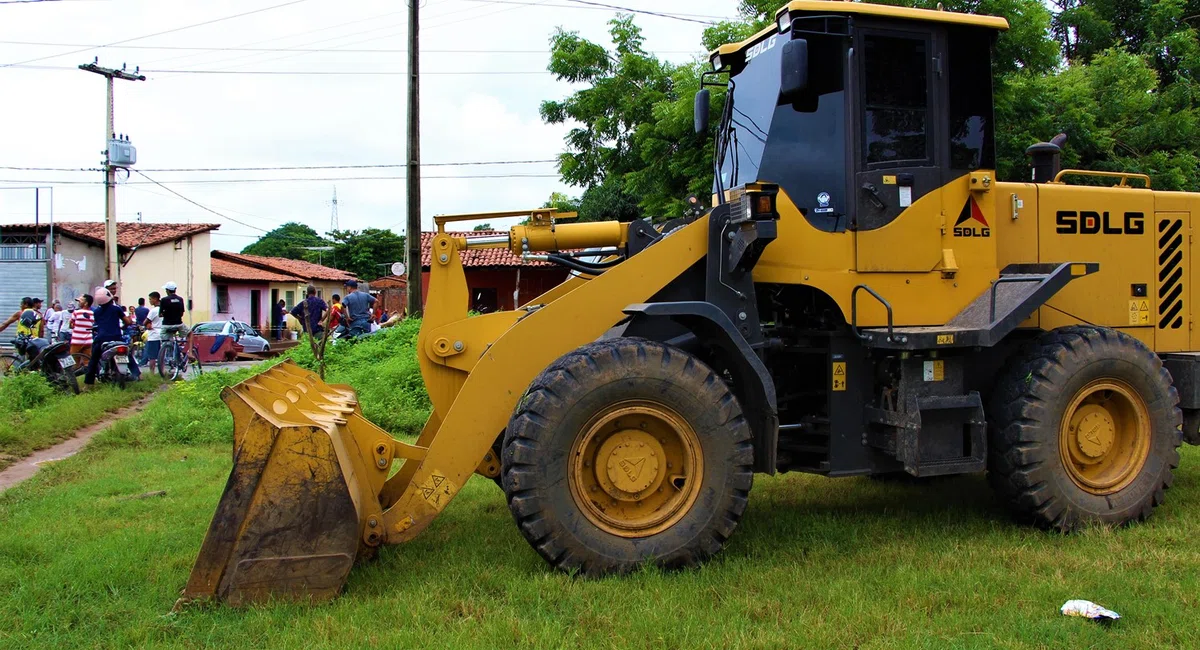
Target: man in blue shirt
{"points": [[310, 312], [358, 309], [110, 318]]}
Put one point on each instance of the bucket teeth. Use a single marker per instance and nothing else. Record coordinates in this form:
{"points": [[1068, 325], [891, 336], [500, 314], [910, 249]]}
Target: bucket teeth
{"points": [[289, 523]]}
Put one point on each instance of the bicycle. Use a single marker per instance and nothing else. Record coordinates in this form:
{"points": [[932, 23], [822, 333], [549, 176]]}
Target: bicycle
{"points": [[173, 362]]}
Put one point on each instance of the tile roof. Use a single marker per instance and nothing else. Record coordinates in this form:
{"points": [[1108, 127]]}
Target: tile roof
{"points": [[298, 268], [389, 282], [129, 235], [232, 271], [479, 257]]}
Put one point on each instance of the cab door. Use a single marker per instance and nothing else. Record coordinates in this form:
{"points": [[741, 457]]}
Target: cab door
{"points": [[899, 88]]}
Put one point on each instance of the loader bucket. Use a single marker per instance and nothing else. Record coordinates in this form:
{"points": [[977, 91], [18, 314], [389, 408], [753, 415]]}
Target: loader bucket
{"points": [[290, 522]]}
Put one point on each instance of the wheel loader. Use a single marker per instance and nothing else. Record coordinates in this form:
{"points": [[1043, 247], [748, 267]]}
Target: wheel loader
{"points": [[863, 298]]}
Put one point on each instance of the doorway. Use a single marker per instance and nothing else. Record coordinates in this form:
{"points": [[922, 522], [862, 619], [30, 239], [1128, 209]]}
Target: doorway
{"points": [[256, 309]]}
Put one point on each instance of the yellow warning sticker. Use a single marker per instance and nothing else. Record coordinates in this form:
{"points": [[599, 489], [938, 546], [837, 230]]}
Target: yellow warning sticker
{"points": [[889, 180], [934, 370], [945, 339], [839, 375], [1139, 311]]}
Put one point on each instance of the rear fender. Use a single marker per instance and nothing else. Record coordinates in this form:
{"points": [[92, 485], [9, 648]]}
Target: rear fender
{"points": [[752, 382]]}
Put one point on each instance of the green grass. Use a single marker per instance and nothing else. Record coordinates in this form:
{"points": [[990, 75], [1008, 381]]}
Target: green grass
{"points": [[816, 563], [34, 416]]}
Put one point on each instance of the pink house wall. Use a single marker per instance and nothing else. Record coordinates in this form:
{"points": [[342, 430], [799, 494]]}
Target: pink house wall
{"points": [[239, 301]]}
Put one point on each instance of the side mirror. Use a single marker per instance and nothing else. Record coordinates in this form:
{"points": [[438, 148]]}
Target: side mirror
{"points": [[794, 72], [700, 112]]}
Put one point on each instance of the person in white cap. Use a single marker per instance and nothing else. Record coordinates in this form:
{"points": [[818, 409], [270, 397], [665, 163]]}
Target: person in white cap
{"points": [[171, 308]]}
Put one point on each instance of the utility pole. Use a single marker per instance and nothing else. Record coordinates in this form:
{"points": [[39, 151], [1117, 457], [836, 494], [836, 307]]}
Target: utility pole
{"points": [[112, 261], [412, 231]]}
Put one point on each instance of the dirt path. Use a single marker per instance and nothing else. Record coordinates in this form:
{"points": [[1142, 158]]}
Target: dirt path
{"points": [[28, 466]]}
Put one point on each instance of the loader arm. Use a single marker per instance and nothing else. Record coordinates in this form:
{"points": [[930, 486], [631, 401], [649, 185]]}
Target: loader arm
{"points": [[477, 405]]}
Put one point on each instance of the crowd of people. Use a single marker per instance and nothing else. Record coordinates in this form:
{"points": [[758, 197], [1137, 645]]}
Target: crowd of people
{"points": [[94, 319], [349, 316]]}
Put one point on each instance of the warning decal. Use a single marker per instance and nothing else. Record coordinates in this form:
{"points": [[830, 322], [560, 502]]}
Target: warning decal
{"points": [[1139, 311], [934, 370], [839, 375]]}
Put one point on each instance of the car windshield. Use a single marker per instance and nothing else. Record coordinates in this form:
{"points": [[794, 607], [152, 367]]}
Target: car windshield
{"points": [[799, 145]]}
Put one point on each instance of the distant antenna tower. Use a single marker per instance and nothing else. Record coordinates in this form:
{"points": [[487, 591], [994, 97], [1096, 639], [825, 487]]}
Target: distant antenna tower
{"points": [[333, 218]]}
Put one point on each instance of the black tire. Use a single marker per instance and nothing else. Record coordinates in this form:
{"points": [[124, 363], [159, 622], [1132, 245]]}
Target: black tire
{"points": [[197, 367], [82, 359], [64, 378], [9, 364], [1031, 399], [166, 355], [579, 386]]}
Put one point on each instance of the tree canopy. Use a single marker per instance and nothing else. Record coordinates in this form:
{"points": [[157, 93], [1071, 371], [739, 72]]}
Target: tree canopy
{"points": [[288, 240], [364, 253], [1118, 76]]}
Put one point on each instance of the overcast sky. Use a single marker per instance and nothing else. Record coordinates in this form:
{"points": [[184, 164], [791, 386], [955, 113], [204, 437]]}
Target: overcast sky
{"points": [[53, 113]]}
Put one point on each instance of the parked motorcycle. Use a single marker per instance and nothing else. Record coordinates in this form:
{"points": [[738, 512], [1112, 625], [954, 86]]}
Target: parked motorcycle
{"points": [[51, 359], [114, 364]]}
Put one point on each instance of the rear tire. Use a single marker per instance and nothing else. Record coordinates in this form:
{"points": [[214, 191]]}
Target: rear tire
{"points": [[596, 496], [1084, 428], [82, 359], [9, 364], [65, 379]]}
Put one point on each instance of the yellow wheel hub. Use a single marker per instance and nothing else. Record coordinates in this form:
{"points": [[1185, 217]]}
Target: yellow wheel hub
{"points": [[636, 468], [1104, 438]]}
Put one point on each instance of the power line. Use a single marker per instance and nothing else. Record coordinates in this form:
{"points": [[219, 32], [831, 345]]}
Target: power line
{"points": [[581, 4], [281, 180], [202, 207], [295, 167], [340, 73], [298, 50], [168, 31]]}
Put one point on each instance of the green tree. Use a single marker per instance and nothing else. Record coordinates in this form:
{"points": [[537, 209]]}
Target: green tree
{"points": [[364, 253], [288, 240], [482, 226]]}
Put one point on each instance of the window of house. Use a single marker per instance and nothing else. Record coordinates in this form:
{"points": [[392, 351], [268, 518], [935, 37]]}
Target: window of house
{"points": [[222, 299], [289, 298], [896, 94]]}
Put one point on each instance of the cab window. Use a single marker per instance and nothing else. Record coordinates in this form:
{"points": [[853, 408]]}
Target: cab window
{"points": [[896, 99]]}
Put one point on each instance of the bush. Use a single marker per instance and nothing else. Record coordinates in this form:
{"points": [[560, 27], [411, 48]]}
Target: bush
{"points": [[23, 391], [192, 411], [383, 369]]}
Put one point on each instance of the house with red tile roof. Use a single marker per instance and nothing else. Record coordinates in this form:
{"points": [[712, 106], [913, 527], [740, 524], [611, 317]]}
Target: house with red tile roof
{"points": [[67, 260], [246, 286], [496, 279]]}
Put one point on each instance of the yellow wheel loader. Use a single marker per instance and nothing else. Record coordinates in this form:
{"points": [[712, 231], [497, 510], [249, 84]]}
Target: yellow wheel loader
{"points": [[864, 298]]}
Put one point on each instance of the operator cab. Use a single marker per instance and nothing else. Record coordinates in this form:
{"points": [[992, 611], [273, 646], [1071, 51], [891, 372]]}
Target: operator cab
{"points": [[856, 111]]}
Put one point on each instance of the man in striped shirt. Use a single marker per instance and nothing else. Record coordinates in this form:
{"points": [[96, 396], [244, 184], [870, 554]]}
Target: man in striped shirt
{"points": [[82, 320]]}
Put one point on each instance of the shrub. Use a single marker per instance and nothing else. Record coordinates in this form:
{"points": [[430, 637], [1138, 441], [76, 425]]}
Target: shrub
{"points": [[383, 369], [23, 391]]}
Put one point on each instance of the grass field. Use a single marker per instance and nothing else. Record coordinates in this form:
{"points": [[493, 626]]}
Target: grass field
{"points": [[34, 416], [816, 563]]}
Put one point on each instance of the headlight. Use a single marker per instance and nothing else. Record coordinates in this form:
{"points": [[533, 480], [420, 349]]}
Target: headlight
{"points": [[716, 62], [784, 22]]}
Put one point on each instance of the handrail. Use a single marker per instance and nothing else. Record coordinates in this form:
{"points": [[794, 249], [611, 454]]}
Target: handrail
{"points": [[1008, 279], [1124, 176], [854, 311]]}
